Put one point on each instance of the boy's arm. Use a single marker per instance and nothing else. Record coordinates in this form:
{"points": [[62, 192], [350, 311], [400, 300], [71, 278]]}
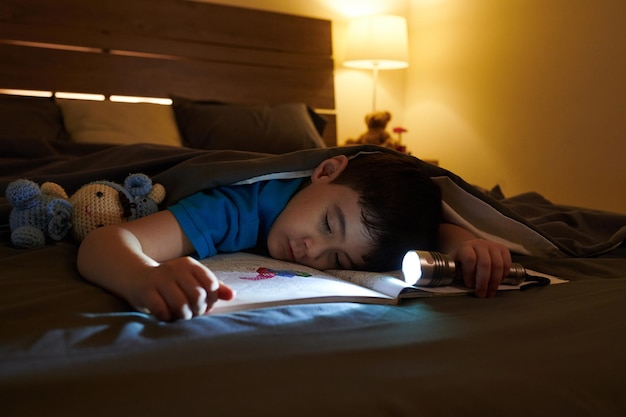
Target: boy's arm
{"points": [[483, 263], [145, 262]]}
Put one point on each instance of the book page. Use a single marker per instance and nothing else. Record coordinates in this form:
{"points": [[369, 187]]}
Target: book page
{"points": [[263, 282], [389, 283]]}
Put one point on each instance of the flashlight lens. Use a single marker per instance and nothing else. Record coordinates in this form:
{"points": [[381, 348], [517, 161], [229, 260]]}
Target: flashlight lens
{"points": [[411, 267]]}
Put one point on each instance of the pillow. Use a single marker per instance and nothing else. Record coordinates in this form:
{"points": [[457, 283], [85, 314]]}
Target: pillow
{"points": [[30, 117], [275, 129], [119, 122]]}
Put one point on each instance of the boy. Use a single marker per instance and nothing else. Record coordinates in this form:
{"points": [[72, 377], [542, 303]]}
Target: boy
{"points": [[363, 213]]}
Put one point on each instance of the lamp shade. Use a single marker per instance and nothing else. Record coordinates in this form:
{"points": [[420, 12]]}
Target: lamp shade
{"points": [[377, 42]]}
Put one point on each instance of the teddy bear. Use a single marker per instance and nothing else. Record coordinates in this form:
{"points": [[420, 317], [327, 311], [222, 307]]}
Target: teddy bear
{"points": [[47, 214], [103, 203], [39, 214], [376, 130]]}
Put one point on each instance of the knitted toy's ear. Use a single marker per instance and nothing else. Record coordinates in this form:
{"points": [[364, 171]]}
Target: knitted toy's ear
{"points": [[138, 184], [53, 189], [157, 194], [23, 194], [145, 196]]}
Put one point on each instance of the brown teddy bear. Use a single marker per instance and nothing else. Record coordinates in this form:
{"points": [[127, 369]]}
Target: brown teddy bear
{"points": [[376, 130]]}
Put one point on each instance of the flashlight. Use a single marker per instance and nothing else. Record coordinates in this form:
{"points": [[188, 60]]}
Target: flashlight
{"points": [[434, 269]]}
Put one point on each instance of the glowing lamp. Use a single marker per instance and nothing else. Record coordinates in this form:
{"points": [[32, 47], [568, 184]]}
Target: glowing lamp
{"points": [[378, 42]]}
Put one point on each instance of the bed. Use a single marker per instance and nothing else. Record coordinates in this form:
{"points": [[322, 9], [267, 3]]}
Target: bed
{"points": [[69, 348]]}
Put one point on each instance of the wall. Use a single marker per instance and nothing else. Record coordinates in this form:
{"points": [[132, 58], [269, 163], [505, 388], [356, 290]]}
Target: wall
{"points": [[528, 94]]}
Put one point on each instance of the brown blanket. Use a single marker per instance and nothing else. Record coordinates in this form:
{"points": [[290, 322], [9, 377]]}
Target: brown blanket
{"points": [[553, 230]]}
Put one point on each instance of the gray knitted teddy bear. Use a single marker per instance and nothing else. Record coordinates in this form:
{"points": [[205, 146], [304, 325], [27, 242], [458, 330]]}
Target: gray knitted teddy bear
{"points": [[39, 214]]}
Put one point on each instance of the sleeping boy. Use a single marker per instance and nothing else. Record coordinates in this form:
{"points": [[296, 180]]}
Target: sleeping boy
{"points": [[361, 213]]}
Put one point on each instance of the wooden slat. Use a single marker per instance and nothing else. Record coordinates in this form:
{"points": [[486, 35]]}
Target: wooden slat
{"points": [[165, 47], [176, 49], [173, 20], [115, 74]]}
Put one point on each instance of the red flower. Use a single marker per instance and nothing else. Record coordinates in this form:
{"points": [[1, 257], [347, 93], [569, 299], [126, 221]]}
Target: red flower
{"points": [[399, 129]]}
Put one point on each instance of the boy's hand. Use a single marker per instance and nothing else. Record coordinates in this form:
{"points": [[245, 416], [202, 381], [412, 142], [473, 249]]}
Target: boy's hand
{"points": [[483, 265], [178, 289]]}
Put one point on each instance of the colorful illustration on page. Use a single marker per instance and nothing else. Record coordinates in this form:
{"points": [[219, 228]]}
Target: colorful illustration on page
{"points": [[267, 273]]}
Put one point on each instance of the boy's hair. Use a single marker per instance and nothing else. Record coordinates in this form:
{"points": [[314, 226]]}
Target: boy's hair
{"points": [[401, 206]]}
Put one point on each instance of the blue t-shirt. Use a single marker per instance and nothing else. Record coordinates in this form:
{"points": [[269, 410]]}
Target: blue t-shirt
{"points": [[233, 218]]}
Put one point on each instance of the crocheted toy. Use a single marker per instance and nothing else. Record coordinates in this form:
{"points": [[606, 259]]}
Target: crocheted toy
{"points": [[103, 203], [376, 130], [39, 214]]}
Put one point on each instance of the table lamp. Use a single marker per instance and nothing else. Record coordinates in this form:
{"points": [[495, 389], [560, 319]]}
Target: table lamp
{"points": [[378, 42]]}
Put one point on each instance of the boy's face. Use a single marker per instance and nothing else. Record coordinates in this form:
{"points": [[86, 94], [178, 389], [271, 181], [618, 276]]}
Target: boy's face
{"points": [[321, 226]]}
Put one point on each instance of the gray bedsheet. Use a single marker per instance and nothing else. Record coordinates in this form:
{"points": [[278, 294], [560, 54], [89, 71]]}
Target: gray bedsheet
{"points": [[70, 348]]}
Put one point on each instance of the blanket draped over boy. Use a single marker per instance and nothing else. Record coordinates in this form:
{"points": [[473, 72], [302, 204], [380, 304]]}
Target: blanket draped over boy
{"points": [[527, 223]]}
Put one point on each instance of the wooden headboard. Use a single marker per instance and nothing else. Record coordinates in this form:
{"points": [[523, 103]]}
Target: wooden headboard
{"points": [[156, 48]]}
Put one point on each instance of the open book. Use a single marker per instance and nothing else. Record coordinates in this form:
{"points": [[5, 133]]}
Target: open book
{"points": [[264, 282]]}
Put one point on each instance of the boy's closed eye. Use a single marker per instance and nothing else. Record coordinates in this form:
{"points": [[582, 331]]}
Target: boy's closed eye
{"points": [[328, 229], [326, 225]]}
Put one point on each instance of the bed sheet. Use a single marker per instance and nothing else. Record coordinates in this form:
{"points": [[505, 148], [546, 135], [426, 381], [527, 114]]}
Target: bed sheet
{"points": [[549, 351]]}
